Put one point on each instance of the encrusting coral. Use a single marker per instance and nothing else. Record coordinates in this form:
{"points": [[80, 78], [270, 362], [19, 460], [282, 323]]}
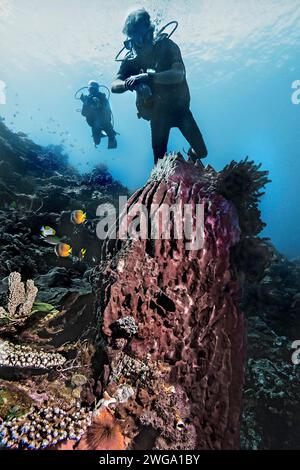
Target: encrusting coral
{"points": [[20, 356], [126, 326], [20, 299], [44, 427]]}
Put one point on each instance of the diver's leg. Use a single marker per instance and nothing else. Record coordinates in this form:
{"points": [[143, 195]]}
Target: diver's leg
{"points": [[106, 126], [191, 132], [112, 141], [96, 135], [160, 131], [96, 129]]}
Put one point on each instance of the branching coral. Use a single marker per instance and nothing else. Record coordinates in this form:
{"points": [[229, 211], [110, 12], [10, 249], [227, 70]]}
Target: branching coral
{"points": [[44, 427], [12, 355], [20, 299], [243, 183]]}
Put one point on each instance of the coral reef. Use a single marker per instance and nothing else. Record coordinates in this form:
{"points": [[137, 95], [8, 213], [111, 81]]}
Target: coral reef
{"points": [[243, 183], [34, 194], [163, 353], [271, 395], [47, 346]]}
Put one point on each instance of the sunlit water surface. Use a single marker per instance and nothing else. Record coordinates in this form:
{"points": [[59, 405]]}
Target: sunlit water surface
{"points": [[241, 59]]}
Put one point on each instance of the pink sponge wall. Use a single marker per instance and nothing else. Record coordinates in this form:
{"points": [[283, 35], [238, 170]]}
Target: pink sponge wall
{"points": [[185, 305]]}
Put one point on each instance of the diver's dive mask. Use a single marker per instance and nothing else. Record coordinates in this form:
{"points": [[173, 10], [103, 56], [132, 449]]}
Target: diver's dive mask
{"points": [[139, 40]]}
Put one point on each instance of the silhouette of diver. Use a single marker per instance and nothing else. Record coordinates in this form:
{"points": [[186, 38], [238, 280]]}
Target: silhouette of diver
{"points": [[96, 110], [155, 70]]}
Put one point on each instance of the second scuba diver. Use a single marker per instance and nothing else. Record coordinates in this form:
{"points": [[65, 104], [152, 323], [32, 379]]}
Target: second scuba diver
{"points": [[96, 109], [154, 68]]}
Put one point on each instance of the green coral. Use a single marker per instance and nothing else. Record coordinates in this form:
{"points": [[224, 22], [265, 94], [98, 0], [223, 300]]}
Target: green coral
{"points": [[13, 402]]}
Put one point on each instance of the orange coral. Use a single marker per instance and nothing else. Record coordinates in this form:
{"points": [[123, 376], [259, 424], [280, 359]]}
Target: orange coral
{"points": [[103, 434], [66, 445]]}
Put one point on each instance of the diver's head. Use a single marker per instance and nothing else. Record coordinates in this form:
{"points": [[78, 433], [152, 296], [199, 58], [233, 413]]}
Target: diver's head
{"points": [[139, 30], [93, 87]]}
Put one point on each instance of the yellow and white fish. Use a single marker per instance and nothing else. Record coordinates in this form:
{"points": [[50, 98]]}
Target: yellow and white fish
{"points": [[46, 231]]}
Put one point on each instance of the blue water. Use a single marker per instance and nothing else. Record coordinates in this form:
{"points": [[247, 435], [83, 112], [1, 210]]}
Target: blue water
{"points": [[241, 59]]}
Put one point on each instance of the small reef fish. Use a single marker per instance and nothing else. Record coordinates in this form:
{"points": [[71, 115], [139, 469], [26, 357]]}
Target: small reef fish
{"points": [[52, 239], [63, 250], [82, 253], [78, 217], [46, 230], [180, 425]]}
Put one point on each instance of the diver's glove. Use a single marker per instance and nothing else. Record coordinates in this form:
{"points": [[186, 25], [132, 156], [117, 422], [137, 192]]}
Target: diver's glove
{"points": [[132, 82]]}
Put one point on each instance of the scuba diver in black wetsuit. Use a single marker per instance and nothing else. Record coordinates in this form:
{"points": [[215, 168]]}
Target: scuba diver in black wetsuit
{"points": [[154, 68], [96, 110]]}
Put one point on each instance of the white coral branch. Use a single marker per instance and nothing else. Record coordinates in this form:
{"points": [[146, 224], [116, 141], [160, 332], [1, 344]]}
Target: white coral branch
{"points": [[16, 293], [20, 299], [31, 293]]}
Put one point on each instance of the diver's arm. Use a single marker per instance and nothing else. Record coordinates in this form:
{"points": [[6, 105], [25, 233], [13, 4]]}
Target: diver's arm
{"points": [[176, 74], [118, 86]]}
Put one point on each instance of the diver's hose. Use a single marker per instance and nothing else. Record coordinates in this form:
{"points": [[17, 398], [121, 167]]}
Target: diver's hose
{"points": [[167, 35], [80, 89], [129, 55], [107, 89], [86, 88]]}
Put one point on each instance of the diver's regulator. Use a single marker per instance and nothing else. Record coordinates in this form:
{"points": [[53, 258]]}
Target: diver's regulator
{"points": [[128, 44]]}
